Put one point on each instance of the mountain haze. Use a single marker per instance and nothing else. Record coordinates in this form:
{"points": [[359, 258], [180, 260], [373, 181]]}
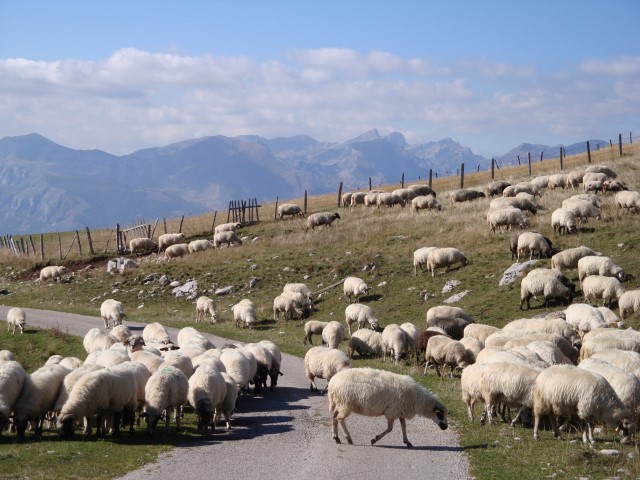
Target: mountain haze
{"points": [[48, 187]]}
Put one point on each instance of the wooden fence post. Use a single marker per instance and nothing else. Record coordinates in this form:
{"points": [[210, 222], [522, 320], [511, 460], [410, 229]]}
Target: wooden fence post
{"points": [[79, 246], [90, 242], [588, 152], [462, 175], [153, 232], [275, 212], [164, 221], [529, 156], [492, 169], [561, 151], [59, 247], [402, 181], [42, 247], [541, 154], [430, 177], [519, 160], [369, 184], [213, 224], [181, 220], [340, 195], [620, 143], [305, 202]]}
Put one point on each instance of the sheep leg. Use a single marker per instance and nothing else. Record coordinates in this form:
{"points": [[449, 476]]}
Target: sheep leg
{"points": [[470, 408], [536, 425], [520, 410], [387, 430], [343, 425], [554, 425], [403, 426]]}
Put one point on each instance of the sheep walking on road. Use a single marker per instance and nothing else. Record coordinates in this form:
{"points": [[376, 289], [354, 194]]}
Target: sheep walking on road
{"points": [[375, 393]]}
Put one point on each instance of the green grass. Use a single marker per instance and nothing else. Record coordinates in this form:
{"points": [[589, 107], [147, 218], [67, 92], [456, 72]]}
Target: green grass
{"points": [[386, 238]]}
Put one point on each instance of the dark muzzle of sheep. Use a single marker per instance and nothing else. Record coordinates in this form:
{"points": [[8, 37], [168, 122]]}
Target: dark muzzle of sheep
{"points": [[442, 418]]}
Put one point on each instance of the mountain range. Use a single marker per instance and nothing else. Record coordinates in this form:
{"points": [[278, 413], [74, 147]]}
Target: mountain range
{"points": [[47, 187]]}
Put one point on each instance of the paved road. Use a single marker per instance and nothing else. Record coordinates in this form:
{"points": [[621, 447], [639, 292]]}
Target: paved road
{"points": [[287, 434]]}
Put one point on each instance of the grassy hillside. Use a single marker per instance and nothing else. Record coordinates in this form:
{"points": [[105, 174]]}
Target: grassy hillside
{"points": [[383, 241]]}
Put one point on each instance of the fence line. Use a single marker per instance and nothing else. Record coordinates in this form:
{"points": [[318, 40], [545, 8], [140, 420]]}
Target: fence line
{"points": [[51, 247]]}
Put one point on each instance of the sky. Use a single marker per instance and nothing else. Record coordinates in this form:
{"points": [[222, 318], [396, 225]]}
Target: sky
{"points": [[120, 76]]}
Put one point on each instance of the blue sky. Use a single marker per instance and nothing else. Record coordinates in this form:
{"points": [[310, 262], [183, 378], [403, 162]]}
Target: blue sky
{"points": [[125, 75]]}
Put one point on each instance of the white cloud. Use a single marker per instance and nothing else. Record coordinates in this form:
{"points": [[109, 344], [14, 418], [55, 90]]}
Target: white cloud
{"points": [[136, 99]]}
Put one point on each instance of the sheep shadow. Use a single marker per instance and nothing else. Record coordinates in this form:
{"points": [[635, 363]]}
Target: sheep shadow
{"points": [[423, 448], [374, 297], [586, 229]]}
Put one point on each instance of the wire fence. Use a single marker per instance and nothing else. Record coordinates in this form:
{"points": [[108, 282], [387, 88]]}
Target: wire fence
{"points": [[85, 243]]}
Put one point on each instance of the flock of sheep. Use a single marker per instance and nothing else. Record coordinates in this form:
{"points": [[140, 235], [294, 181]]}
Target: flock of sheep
{"points": [[568, 363]]}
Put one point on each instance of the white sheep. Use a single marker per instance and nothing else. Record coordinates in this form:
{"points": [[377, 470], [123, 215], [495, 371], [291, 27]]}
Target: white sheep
{"points": [[354, 287], [345, 200], [167, 388], [574, 177], [609, 316], [122, 333], [444, 257], [541, 181], [177, 359], [12, 379], [263, 361], [558, 180], [427, 202], [628, 200], [228, 237], [395, 342], [473, 346], [496, 188], [199, 245], [100, 342], [420, 258], [276, 361], [176, 250], [7, 356], [526, 187], [563, 221], [509, 217], [465, 195], [372, 392], [608, 171], [568, 259], [583, 209], [406, 194], [448, 311], [480, 331], [594, 177], [238, 367], [584, 318], [609, 289], [625, 384], [227, 227], [148, 359], [599, 265], [413, 337], [521, 202], [366, 342], [445, 351], [16, 318], [112, 357], [569, 390], [629, 303], [206, 306], [313, 327], [229, 403], [556, 326], [207, 390], [301, 304], [142, 245], [52, 272], [623, 359], [546, 351], [301, 288], [531, 242], [324, 218], [423, 190], [361, 315], [169, 239], [39, 393], [244, 314], [593, 199], [592, 186], [333, 334], [323, 362], [389, 199], [371, 199], [156, 333], [357, 198], [613, 341], [548, 286], [69, 382], [112, 312]]}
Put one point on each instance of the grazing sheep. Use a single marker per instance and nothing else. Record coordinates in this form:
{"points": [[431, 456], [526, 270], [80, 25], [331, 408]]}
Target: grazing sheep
{"points": [[612, 340], [473, 347], [204, 306], [513, 243], [354, 287], [614, 186], [207, 390], [558, 180], [395, 342], [156, 333], [413, 337], [112, 357], [582, 209], [39, 393], [420, 258], [227, 227], [52, 272], [608, 171], [556, 326], [244, 314], [167, 388], [324, 218], [609, 289], [301, 302], [238, 366], [563, 221], [287, 306], [323, 362], [574, 178], [263, 364], [584, 318], [366, 342], [509, 217], [148, 359], [372, 392], [122, 333], [541, 181], [357, 198], [176, 250], [190, 336], [465, 195], [7, 356], [16, 318], [428, 202], [448, 311], [628, 200], [526, 187], [299, 288], [451, 326], [371, 199], [626, 360], [291, 209], [592, 186], [333, 334], [169, 239], [142, 245], [568, 259], [313, 327], [531, 242], [594, 177], [629, 303], [423, 190], [599, 265], [228, 237], [480, 331], [496, 188], [345, 200], [547, 352], [100, 342], [199, 245], [406, 194], [276, 361], [389, 199], [444, 257], [445, 351], [229, 403], [12, 379], [112, 312], [360, 314], [594, 200], [569, 390], [522, 203]]}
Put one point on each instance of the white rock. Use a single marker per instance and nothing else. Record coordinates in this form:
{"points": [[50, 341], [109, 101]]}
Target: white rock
{"points": [[457, 297]]}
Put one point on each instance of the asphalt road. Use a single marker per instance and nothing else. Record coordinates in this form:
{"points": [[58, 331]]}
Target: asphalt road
{"points": [[286, 433]]}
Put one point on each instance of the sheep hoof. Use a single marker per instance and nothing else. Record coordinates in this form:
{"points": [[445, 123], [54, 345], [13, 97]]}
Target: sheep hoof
{"points": [[349, 441], [374, 440], [409, 444], [337, 440]]}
